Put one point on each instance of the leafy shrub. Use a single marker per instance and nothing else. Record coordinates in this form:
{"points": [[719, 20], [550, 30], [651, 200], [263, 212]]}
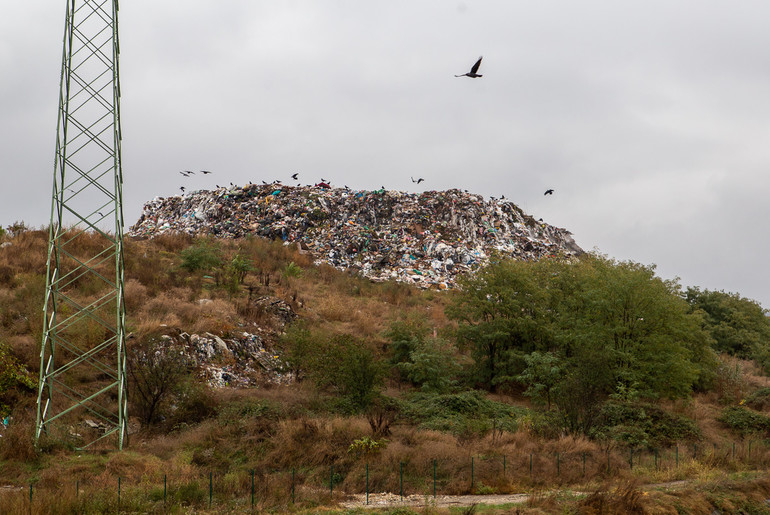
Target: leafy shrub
{"points": [[14, 377], [432, 365], [759, 400], [301, 348], [366, 446], [545, 424], [194, 403], [745, 421], [643, 425], [460, 413], [350, 369], [203, 256]]}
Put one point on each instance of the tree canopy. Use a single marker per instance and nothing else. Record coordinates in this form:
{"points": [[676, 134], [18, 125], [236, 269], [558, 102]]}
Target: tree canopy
{"points": [[738, 325], [577, 332]]}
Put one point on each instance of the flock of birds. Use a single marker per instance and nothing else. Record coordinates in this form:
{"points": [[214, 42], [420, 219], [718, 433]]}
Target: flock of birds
{"points": [[474, 74]]}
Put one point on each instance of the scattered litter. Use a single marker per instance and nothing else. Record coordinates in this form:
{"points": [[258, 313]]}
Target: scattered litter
{"points": [[425, 239]]}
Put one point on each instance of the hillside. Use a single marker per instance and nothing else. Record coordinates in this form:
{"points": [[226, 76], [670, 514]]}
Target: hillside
{"points": [[273, 402], [423, 239]]}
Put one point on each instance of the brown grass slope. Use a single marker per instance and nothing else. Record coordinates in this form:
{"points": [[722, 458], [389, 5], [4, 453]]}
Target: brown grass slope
{"points": [[279, 446]]}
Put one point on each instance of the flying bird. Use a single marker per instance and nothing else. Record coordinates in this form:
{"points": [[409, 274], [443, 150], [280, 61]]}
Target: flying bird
{"points": [[548, 192], [181, 188], [295, 175], [186, 173], [418, 181], [205, 172], [473, 71]]}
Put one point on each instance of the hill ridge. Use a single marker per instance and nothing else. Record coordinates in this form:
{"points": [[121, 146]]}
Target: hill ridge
{"points": [[424, 238]]}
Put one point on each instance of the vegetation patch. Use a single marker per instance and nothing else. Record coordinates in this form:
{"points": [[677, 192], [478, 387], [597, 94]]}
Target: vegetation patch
{"points": [[745, 421], [460, 413], [644, 425]]}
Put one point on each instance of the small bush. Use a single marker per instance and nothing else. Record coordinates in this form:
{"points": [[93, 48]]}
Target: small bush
{"points": [[351, 369], [366, 446], [759, 400], [203, 256], [643, 425], [745, 421], [461, 413]]}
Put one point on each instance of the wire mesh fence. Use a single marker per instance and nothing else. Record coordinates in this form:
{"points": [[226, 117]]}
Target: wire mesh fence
{"points": [[252, 490]]}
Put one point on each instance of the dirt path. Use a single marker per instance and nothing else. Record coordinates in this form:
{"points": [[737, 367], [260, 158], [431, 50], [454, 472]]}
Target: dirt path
{"points": [[440, 501], [388, 500]]}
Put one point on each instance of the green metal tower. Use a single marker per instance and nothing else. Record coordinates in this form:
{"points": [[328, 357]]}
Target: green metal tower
{"points": [[82, 395]]}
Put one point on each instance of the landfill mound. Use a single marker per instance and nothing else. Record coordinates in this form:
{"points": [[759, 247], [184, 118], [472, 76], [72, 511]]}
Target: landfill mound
{"points": [[426, 239]]}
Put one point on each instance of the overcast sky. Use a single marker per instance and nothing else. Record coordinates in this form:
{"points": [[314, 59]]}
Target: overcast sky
{"points": [[650, 119]]}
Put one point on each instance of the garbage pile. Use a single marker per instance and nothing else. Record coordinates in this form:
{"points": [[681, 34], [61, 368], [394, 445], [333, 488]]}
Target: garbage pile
{"points": [[240, 361], [426, 239]]}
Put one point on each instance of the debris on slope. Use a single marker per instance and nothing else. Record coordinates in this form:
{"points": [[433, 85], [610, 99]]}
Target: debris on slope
{"points": [[424, 239], [238, 361]]}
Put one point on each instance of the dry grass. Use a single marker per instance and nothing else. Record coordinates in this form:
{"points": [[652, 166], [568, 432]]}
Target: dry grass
{"points": [[303, 436], [17, 443]]}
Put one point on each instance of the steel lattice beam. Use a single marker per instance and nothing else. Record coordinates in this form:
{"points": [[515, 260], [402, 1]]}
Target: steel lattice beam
{"points": [[82, 355]]}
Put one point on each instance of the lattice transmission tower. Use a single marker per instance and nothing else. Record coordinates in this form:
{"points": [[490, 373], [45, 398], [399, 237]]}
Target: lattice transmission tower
{"points": [[82, 393]]}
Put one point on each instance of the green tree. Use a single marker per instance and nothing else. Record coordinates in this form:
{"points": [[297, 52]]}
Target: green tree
{"points": [[738, 326], [503, 315], [404, 337], [542, 375], [291, 271], [640, 323], [350, 369], [613, 327], [301, 349], [235, 272], [432, 365]]}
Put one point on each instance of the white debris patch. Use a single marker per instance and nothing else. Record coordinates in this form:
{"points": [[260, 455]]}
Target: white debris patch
{"points": [[238, 361]]}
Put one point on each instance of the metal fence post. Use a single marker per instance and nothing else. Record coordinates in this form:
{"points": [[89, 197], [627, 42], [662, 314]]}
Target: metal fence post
{"points": [[434, 478]]}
